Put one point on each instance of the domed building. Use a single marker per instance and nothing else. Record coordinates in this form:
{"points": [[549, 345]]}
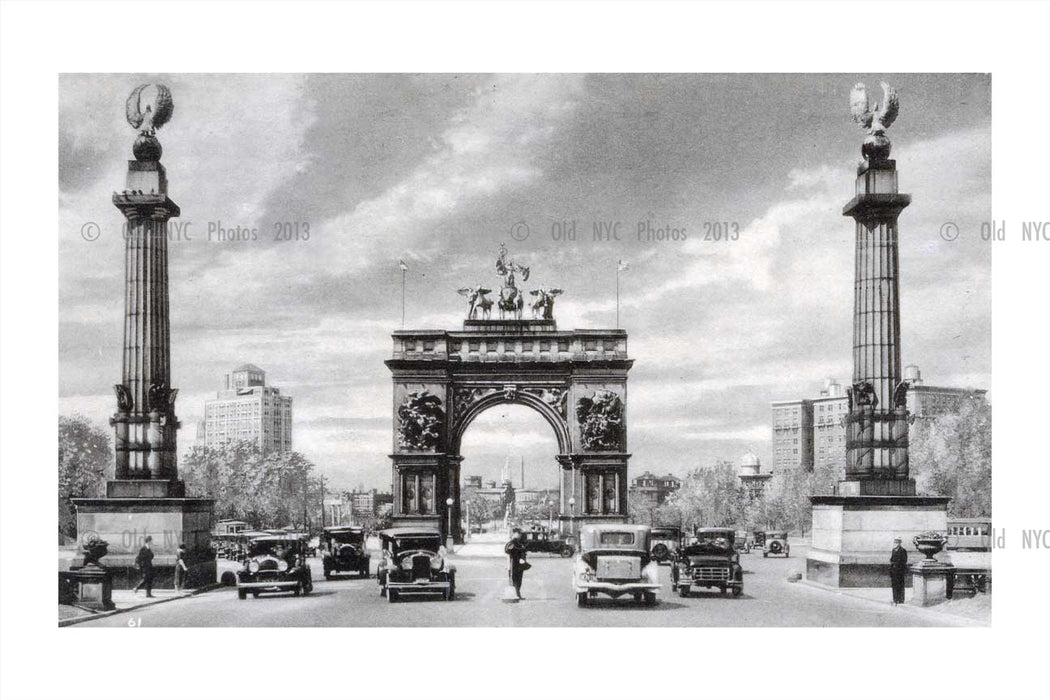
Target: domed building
{"points": [[751, 475]]}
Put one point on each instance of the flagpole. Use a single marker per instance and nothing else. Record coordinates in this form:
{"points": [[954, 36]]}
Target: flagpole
{"points": [[617, 293], [402, 298]]}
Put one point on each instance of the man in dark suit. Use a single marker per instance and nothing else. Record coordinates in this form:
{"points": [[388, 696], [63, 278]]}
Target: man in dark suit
{"points": [[898, 567], [515, 550], [144, 561]]}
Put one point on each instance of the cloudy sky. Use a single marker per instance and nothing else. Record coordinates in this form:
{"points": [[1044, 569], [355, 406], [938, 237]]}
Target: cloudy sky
{"points": [[437, 169]]}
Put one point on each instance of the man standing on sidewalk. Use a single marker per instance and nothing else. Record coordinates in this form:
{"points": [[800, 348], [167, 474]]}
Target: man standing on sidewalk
{"points": [[898, 567], [144, 561]]}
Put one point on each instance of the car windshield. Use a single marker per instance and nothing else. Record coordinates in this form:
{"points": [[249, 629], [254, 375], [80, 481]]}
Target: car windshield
{"points": [[405, 544], [274, 547], [347, 537], [616, 538]]}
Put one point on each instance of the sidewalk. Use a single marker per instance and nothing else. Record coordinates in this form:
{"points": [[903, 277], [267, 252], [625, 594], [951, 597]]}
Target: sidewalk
{"points": [[126, 600], [975, 611]]}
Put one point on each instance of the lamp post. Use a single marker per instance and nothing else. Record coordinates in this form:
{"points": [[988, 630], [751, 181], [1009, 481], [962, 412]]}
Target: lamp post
{"points": [[448, 539], [572, 516]]}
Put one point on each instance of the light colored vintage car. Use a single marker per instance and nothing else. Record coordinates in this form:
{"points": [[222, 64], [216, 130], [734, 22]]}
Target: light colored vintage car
{"points": [[615, 560]]}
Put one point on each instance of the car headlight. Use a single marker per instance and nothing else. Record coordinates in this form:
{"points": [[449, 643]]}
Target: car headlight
{"points": [[436, 562], [253, 566], [282, 565], [586, 573]]}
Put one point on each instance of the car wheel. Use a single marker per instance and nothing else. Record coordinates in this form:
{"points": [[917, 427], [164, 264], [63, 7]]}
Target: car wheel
{"points": [[243, 595], [683, 591], [581, 600], [650, 598], [391, 596], [566, 552], [765, 554], [738, 591], [722, 590], [327, 575]]}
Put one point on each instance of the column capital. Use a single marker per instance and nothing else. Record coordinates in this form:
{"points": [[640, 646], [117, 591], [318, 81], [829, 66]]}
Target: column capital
{"points": [[136, 206]]}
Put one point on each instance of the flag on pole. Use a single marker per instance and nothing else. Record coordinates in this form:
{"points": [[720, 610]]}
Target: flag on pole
{"points": [[622, 266], [401, 263]]}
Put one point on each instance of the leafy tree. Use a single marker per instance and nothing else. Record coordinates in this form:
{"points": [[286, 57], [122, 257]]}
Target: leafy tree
{"points": [[270, 490], [708, 497], [84, 455], [951, 455]]}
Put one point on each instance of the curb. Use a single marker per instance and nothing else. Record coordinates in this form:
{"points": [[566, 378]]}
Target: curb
{"points": [[907, 607], [145, 604]]}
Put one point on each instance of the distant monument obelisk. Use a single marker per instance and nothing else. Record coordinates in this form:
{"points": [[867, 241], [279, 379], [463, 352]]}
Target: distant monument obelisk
{"points": [[853, 530], [145, 495]]}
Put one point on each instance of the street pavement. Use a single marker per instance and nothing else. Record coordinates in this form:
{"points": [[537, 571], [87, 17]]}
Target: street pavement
{"points": [[769, 600]]}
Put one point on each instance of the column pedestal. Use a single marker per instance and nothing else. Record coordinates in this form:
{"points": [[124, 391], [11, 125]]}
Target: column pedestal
{"points": [[853, 534], [124, 522]]}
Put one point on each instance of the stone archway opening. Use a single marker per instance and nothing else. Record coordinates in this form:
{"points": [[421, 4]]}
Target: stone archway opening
{"points": [[510, 469]]}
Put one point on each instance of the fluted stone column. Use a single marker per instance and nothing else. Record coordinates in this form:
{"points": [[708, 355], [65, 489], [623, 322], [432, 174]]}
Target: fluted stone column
{"points": [[877, 424], [145, 423], [853, 529]]}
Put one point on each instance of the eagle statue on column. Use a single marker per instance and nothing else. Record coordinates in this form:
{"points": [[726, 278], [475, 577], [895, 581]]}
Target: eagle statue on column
{"points": [[875, 119]]}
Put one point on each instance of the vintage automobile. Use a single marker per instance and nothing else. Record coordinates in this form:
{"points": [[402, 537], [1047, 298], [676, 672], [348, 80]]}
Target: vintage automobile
{"points": [[237, 544], [758, 539], [664, 542], [546, 541], [615, 560], [344, 550], [414, 562], [776, 543], [742, 542], [710, 561], [274, 563]]}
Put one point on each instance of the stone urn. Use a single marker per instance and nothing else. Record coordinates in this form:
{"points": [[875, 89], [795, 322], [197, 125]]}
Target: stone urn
{"points": [[94, 549], [929, 543]]}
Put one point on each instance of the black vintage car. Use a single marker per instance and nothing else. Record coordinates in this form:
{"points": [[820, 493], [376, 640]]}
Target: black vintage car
{"points": [[710, 561], [414, 562], [758, 539], [344, 550], [546, 541], [664, 543], [777, 543], [274, 563]]}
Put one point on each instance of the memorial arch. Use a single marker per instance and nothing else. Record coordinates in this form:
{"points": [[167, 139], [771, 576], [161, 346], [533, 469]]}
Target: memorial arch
{"points": [[576, 380]]}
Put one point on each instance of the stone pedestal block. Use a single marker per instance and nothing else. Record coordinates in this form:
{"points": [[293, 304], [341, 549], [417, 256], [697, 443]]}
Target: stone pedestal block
{"points": [[125, 522], [853, 535], [93, 586], [930, 582]]}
